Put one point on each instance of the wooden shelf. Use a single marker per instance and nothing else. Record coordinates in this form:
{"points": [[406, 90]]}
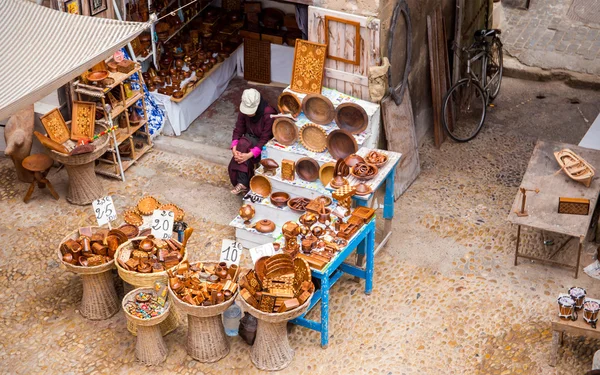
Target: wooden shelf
{"points": [[108, 169], [117, 111], [122, 133]]}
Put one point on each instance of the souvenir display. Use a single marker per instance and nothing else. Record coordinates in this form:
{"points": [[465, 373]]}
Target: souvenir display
{"points": [[50, 144], [285, 131], [590, 312], [376, 158], [351, 117], [83, 120], [573, 206], [204, 284], [363, 189], [309, 66], [352, 160], [364, 171], [298, 204], [566, 308], [145, 305], [289, 103], [130, 230], [318, 109], [133, 218], [313, 138], [277, 284], [93, 247], [341, 168], [307, 169], [260, 185], [264, 226], [177, 211], [55, 126], [575, 166], [578, 295], [341, 144], [150, 255], [338, 181]]}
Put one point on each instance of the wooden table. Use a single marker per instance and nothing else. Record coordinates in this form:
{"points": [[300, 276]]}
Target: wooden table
{"points": [[543, 207], [576, 328]]}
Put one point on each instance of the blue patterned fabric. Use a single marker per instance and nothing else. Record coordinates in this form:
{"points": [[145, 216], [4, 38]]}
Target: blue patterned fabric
{"points": [[156, 116]]}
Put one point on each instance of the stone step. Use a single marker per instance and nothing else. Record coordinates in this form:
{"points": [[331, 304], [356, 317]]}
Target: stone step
{"points": [[296, 188], [249, 237]]}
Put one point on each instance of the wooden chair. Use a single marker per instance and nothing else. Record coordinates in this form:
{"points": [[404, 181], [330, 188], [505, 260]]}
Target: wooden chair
{"points": [[40, 165]]}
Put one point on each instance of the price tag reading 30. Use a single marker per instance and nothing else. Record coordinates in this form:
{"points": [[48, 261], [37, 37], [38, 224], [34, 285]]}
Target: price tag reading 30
{"points": [[231, 252], [104, 209], [162, 224]]}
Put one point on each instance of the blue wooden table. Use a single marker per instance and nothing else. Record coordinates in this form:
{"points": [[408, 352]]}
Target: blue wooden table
{"points": [[364, 243]]}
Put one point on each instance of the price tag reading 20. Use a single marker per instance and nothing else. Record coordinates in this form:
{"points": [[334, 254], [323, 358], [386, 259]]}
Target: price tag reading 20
{"points": [[231, 252], [105, 211], [162, 224]]}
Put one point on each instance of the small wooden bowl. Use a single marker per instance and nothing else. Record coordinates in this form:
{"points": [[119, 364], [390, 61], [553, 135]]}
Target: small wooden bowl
{"points": [[341, 144], [289, 103], [318, 109], [307, 169], [260, 185], [280, 199], [285, 131], [351, 117]]}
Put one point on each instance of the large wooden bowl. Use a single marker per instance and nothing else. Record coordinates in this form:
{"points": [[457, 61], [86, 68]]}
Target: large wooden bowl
{"points": [[326, 172], [341, 144], [351, 117], [313, 138], [285, 131], [307, 169], [260, 185], [318, 109], [289, 103]]}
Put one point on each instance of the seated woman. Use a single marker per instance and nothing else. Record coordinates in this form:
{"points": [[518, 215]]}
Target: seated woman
{"points": [[253, 130]]}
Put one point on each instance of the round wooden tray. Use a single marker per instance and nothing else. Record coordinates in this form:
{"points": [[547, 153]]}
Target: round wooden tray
{"points": [[318, 109], [285, 131], [313, 138]]}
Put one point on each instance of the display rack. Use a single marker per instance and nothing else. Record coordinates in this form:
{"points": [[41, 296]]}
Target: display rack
{"points": [[115, 166]]}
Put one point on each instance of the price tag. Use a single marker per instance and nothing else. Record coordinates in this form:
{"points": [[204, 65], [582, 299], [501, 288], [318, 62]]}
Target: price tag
{"points": [[162, 224], [231, 252], [104, 209], [265, 250]]}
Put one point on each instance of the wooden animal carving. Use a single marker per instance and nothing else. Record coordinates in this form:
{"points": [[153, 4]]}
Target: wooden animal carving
{"points": [[18, 135]]}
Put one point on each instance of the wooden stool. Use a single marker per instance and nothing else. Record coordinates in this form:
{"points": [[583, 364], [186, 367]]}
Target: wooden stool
{"points": [[206, 339], [40, 165], [271, 350], [150, 348]]}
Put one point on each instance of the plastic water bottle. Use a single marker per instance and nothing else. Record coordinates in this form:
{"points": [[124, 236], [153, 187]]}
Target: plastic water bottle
{"points": [[263, 153], [231, 320]]}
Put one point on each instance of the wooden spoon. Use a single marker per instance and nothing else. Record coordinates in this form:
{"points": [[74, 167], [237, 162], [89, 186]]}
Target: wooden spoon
{"points": [[186, 236]]}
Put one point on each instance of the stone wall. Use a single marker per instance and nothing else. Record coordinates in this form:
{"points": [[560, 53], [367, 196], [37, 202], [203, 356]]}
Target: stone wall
{"points": [[360, 7], [419, 78]]}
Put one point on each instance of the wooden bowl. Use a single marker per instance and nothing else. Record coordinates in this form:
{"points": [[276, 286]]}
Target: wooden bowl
{"points": [[307, 169], [318, 109], [289, 103], [341, 144], [280, 198], [313, 138], [352, 160], [285, 131], [298, 204], [97, 76], [341, 168], [351, 117], [370, 174], [363, 189], [326, 172], [260, 185]]}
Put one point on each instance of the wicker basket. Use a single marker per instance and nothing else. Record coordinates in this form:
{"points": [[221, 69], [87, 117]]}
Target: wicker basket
{"points": [[138, 279], [102, 144], [99, 300], [271, 350], [150, 347]]}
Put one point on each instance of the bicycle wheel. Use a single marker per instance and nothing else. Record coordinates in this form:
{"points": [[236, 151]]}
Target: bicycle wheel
{"points": [[463, 111], [494, 69]]}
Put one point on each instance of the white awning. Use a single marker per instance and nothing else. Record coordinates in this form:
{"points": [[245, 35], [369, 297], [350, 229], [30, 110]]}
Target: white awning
{"points": [[41, 49]]}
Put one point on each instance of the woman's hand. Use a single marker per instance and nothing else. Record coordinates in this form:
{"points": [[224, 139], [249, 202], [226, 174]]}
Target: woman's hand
{"points": [[242, 158], [234, 150]]}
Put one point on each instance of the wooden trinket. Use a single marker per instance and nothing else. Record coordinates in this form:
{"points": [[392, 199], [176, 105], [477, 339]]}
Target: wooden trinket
{"points": [[132, 263], [289, 304], [83, 120], [347, 231], [364, 213], [267, 303], [312, 262], [55, 126], [303, 297], [573, 206], [246, 295], [356, 221], [288, 170], [125, 66], [308, 67], [50, 144], [575, 166], [253, 281]]}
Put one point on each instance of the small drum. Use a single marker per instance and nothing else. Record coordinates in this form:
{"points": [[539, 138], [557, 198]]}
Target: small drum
{"points": [[578, 295], [590, 312], [566, 308]]}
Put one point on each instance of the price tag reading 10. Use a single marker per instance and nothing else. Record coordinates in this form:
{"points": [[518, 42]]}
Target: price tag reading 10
{"points": [[104, 209], [162, 224], [231, 252]]}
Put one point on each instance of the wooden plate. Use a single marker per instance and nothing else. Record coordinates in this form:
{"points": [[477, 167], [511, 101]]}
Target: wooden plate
{"points": [[130, 230], [133, 218], [177, 211], [313, 138], [285, 131], [318, 109], [147, 205]]}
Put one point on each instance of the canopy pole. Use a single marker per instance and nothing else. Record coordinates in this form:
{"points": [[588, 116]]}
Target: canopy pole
{"points": [[118, 13]]}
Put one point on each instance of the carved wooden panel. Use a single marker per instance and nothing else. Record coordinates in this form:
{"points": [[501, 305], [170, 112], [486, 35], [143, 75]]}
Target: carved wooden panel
{"points": [[83, 120], [55, 126], [257, 61], [309, 62]]}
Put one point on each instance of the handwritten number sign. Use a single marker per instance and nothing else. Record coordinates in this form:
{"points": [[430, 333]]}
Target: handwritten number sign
{"points": [[104, 209], [265, 250], [231, 252], [162, 223]]}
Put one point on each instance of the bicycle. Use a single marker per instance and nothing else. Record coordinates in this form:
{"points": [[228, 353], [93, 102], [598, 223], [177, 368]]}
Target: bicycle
{"points": [[465, 104]]}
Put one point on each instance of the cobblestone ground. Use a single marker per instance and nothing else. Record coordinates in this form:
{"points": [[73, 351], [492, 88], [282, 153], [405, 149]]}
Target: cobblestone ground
{"points": [[446, 296], [546, 37]]}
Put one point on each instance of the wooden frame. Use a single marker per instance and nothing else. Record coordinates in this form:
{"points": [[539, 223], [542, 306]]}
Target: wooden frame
{"points": [[83, 120], [72, 6], [97, 6], [55, 126], [356, 25], [308, 70]]}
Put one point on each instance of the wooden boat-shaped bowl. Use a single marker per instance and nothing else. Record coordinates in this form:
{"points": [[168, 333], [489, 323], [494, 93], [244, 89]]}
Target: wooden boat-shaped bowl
{"points": [[575, 166]]}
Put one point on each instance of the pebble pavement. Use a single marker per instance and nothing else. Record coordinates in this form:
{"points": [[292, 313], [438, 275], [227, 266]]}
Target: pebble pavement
{"points": [[446, 296]]}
